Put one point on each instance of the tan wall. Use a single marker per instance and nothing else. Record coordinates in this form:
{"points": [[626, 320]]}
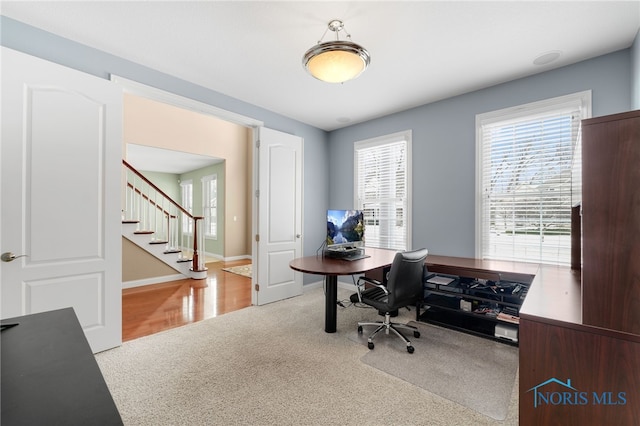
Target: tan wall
{"points": [[152, 123], [140, 265]]}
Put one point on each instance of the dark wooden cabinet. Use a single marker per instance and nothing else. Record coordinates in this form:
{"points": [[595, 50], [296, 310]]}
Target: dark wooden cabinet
{"points": [[577, 375], [580, 328], [611, 222]]}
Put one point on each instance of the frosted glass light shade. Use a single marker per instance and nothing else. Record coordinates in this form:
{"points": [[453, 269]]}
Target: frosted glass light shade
{"points": [[336, 61]]}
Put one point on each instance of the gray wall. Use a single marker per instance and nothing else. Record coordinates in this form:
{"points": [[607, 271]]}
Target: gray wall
{"points": [[635, 73], [444, 145]]}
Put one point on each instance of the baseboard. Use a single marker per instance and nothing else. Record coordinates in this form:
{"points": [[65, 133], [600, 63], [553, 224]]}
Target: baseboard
{"points": [[217, 257], [242, 257], [153, 280], [311, 286]]}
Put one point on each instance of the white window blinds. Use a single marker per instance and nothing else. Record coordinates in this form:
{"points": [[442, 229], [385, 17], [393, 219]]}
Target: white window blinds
{"points": [[530, 177], [382, 186]]}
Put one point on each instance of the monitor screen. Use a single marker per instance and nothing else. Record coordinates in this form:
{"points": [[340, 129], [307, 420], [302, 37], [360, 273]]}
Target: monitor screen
{"points": [[345, 228]]}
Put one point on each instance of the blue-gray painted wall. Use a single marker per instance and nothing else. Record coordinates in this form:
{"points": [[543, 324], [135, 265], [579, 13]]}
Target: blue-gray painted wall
{"points": [[635, 72], [444, 145], [443, 132]]}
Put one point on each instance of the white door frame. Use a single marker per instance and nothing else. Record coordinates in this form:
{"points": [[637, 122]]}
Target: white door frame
{"points": [[159, 95], [139, 89]]}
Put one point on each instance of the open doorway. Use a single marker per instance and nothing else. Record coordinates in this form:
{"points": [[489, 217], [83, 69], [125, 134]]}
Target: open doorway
{"points": [[172, 144], [195, 182], [281, 153]]}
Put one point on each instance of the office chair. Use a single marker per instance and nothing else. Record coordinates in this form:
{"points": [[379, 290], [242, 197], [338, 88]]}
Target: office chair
{"points": [[404, 288]]}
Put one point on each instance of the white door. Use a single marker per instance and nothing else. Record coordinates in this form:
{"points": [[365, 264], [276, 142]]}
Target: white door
{"points": [[279, 230], [61, 158]]}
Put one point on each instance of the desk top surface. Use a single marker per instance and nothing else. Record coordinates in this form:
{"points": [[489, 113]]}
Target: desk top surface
{"points": [[384, 257], [321, 265], [49, 374], [554, 295]]}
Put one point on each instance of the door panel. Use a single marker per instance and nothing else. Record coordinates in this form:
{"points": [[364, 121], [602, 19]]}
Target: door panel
{"points": [[70, 163], [41, 294], [60, 179], [279, 215]]}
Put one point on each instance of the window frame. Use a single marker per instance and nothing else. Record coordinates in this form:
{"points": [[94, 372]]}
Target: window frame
{"points": [[381, 141], [186, 204], [517, 114], [206, 185]]}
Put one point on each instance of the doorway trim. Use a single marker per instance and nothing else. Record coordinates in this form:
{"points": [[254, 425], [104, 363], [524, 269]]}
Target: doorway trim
{"points": [[153, 93], [160, 95]]}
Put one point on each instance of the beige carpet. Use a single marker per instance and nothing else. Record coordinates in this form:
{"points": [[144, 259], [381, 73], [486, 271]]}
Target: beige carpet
{"points": [[244, 270], [272, 365]]}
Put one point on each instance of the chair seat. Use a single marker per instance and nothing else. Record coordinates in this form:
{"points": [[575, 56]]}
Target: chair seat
{"points": [[377, 298], [404, 288]]}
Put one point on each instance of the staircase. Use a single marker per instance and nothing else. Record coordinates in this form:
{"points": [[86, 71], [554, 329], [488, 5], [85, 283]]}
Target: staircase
{"points": [[162, 227]]}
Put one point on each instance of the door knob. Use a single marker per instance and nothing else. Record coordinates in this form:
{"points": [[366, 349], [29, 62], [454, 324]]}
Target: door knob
{"points": [[8, 256]]}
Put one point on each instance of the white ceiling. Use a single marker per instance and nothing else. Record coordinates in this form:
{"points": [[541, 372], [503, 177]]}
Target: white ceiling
{"points": [[421, 51]]}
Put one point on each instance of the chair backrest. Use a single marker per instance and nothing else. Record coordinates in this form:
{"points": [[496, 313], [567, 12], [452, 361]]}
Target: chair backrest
{"points": [[405, 280]]}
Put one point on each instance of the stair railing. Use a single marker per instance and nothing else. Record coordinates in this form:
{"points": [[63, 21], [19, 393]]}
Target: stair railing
{"points": [[158, 215]]}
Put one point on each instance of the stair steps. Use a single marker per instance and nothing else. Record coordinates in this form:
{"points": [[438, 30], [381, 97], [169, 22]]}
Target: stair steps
{"points": [[157, 248]]}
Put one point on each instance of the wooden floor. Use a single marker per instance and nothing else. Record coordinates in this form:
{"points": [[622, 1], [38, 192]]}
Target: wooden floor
{"points": [[153, 308]]}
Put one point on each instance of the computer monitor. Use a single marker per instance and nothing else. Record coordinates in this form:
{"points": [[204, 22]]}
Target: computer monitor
{"points": [[345, 228]]}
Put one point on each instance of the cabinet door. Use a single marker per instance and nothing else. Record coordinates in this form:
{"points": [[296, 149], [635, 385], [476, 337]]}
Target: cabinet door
{"points": [[611, 222]]}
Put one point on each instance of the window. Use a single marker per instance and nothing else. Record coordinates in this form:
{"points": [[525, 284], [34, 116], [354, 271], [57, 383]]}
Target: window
{"points": [[187, 203], [210, 205], [529, 176], [382, 189]]}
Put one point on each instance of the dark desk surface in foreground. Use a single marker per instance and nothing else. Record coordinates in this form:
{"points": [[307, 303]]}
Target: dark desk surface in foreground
{"points": [[50, 376]]}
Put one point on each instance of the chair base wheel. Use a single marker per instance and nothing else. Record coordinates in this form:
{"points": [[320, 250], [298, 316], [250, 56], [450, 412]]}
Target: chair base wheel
{"points": [[388, 326]]}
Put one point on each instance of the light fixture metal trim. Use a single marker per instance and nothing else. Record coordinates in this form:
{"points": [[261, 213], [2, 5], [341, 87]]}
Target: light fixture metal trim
{"points": [[336, 61]]}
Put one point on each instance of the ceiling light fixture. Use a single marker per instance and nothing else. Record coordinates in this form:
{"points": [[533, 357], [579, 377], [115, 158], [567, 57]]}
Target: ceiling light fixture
{"points": [[336, 61]]}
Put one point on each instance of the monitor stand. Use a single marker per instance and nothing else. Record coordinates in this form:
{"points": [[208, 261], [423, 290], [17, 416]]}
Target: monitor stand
{"points": [[342, 252]]}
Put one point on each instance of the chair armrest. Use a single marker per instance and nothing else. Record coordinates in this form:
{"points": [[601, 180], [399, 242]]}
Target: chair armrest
{"points": [[374, 283]]}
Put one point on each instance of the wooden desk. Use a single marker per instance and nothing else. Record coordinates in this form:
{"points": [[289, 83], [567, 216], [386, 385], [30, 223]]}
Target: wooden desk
{"points": [[555, 343], [482, 268], [50, 376], [382, 258], [331, 268]]}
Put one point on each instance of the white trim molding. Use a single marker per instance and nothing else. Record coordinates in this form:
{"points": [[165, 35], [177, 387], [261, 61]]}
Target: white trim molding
{"points": [[159, 95]]}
